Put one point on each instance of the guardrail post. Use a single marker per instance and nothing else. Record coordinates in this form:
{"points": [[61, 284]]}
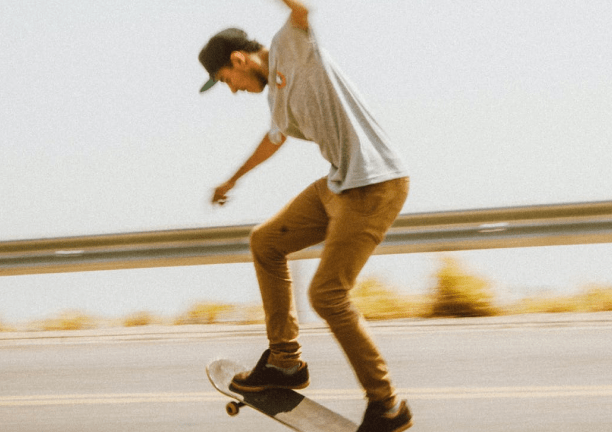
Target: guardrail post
{"points": [[301, 282]]}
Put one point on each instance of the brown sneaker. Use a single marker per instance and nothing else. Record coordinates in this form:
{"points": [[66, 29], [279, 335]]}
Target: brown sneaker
{"points": [[264, 377], [377, 419]]}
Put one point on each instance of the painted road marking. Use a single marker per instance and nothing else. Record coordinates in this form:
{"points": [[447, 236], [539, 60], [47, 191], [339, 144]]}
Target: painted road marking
{"points": [[323, 394]]}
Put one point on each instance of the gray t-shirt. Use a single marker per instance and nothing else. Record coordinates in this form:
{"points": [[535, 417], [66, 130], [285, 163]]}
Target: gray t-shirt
{"points": [[310, 99]]}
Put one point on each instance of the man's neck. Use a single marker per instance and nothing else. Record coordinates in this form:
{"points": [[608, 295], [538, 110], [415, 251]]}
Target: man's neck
{"points": [[263, 56]]}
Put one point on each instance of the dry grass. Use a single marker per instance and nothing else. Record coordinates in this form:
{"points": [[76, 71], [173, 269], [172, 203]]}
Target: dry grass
{"points": [[379, 302], [205, 313], [252, 314], [4, 327], [460, 294], [67, 320], [139, 319], [456, 293], [591, 299], [596, 298]]}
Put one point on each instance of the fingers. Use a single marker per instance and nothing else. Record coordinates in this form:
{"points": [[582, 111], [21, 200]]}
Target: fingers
{"points": [[220, 195], [219, 199]]}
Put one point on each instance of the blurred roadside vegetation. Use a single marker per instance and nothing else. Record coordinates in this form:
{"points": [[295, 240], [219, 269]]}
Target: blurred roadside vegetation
{"points": [[67, 320], [592, 298], [377, 301], [4, 327], [138, 319], [455, 291], [205, 313]]}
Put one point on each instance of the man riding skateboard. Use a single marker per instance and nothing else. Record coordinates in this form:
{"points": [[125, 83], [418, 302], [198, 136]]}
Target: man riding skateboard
{"points": [[350, 209]]}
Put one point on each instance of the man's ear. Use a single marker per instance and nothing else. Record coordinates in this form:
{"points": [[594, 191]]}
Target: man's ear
{"points": [[238, 59]]}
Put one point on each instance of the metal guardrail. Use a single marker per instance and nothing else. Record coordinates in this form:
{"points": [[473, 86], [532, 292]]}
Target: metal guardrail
{"points": [[512, 227]]}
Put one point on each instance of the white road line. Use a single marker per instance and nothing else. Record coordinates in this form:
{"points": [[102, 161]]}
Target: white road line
{"points": [[322, 394]]}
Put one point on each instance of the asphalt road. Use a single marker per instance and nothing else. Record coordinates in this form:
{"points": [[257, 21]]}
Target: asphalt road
{"points": [[478, 375]]}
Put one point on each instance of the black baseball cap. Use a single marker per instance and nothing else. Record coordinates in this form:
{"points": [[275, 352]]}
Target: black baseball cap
{"points": [[218, 50]]}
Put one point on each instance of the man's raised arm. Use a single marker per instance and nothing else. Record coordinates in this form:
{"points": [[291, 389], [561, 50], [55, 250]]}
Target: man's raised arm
{"points": [[264, 150], [299, 14]]}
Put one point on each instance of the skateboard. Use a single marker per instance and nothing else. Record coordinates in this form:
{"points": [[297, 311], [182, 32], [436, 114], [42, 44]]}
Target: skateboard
{"points": [[285, 406]]}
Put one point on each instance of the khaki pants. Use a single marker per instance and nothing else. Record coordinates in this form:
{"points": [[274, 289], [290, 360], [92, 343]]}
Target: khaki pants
{"points": [[352, 224]]}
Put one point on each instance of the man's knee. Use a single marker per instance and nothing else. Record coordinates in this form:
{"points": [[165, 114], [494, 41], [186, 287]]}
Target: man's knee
{"points": [[264, 243], [259, 238], [256, 237], [318, 304], [329, 304]]}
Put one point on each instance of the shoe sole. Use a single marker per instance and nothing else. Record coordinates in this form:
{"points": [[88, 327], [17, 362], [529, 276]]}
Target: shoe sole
{"points": [[256, 389], [404, 427]]}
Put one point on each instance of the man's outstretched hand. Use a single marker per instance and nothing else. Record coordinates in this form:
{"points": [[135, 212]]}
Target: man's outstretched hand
{"points": [[220, 195], [264, 150]]}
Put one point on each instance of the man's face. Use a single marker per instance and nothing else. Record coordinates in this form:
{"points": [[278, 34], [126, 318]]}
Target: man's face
{"points": [[243, 75]]}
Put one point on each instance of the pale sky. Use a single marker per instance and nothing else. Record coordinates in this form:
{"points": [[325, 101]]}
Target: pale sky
{"points": [[102, 128]]}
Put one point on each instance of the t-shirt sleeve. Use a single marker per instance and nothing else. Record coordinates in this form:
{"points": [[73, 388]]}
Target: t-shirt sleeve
{"points": [[275, 135]]}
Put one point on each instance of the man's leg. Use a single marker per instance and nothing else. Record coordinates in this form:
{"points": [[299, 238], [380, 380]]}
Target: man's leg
{"points": [[359, 219], [301, 223]]}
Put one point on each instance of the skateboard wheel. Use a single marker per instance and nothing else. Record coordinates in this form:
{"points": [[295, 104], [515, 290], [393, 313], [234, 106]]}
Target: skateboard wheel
{"points": [[232, 408]]}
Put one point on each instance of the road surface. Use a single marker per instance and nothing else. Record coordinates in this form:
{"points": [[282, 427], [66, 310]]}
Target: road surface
{"points": [[493, 375]]}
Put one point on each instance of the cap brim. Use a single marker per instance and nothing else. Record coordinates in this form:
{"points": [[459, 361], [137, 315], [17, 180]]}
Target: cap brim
{"points": [[211, 82]]}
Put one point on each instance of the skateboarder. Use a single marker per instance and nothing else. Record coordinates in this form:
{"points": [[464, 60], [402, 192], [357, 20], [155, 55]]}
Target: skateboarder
{"points": [[350, 209]]}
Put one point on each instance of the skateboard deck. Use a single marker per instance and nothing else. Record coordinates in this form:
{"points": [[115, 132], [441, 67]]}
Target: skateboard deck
{"points": [[285, 406]]}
